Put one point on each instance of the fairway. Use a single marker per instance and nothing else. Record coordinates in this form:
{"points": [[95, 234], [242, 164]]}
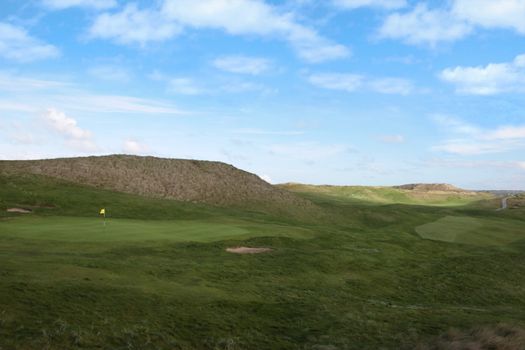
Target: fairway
{"points": [[78, 229], [474, 231]]}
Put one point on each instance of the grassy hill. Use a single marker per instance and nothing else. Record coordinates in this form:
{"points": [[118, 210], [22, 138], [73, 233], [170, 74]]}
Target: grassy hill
{"points": [[158, 276], [425, 194], [193, 181]]}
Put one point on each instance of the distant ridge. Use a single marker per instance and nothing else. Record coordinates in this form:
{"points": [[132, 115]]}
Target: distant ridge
{"points": [[430, 187], [198, 181]]}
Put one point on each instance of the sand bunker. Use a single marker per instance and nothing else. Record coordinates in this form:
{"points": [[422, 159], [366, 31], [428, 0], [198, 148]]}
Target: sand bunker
{"points": [[247, 250], [19, 210]]}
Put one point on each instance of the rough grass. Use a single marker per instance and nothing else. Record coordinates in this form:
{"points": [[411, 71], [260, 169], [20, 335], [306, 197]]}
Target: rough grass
{"points": [[476, 231], [500, 337], [363, 279]]}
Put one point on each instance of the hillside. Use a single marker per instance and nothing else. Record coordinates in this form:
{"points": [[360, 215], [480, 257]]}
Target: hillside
{"points": [[194, 181], [424, 194], [430, 187]]}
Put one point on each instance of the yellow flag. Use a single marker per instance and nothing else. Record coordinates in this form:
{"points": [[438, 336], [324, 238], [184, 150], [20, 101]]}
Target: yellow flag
{"points": [[102, 211]]}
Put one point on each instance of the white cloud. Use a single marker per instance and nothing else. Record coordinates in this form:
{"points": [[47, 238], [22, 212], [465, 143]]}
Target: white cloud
{"points": [[236, 17], [132, 146], [384, 4], [75, 136], [110, 73], [242, 64], [422, 25], [254, 17], [353, 82], [94, 4], [491, 13], [17, 45], [392, 139], [133, 26], [60, 122], [494, 78]]}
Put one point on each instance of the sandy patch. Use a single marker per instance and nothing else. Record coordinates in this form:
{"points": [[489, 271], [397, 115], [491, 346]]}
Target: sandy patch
{"points": [[19, 210], [247, 250]]}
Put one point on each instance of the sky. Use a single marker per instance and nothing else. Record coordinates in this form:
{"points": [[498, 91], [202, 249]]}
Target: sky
{"points": [[342, 92]]}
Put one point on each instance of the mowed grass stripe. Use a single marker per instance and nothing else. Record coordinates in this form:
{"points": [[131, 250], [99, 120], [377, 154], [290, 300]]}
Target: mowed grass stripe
{"points": [[474, 231], [81, 229]]}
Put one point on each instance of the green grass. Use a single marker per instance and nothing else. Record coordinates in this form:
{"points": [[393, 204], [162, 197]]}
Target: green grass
{"points": [[159, 276], [77, 229], [476, 231]]}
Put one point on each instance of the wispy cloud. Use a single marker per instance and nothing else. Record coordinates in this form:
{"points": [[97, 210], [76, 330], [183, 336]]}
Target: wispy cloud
{"points": [[392, 139], [355, 82], [15, 83], [382, 4], [110, 73], [254, 131], [473, 164], [308, 151], [26, 94], [17, 45], [94, 4], [242, 64], [475, 140]]}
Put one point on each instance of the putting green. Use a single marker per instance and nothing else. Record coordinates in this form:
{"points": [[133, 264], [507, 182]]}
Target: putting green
{"points": [[76, 229], [475, 231]]}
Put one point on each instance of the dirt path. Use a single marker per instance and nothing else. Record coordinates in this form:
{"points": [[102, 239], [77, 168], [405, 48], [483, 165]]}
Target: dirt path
{"points": [[247, 250], [19, 210]]}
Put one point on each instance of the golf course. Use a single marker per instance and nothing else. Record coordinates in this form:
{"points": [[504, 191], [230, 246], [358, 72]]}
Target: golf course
{"points": [[155, 273]]}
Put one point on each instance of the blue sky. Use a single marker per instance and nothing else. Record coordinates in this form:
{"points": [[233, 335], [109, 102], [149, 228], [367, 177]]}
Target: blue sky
{"points": [[367, 92]]}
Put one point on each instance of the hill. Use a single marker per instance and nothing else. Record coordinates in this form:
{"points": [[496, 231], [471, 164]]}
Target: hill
{"points": [[423, 194], [194, 181], [430, 187]]}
